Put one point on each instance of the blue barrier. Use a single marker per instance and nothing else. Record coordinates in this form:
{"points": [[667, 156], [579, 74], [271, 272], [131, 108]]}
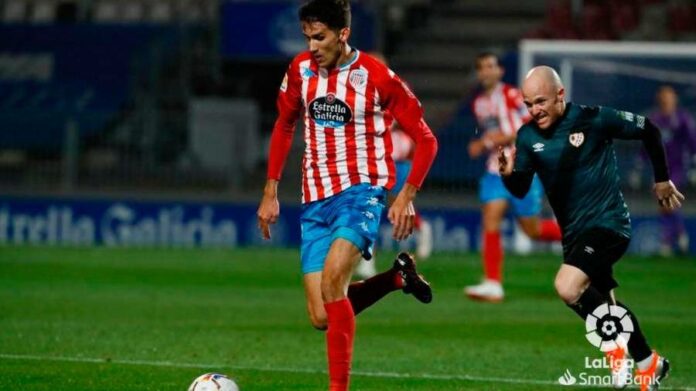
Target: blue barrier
{"points": [[52, 73], [124, 223]]}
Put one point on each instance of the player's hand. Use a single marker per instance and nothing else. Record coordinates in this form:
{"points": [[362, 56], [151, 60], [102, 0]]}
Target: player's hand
{"points": [[668, 197], [269, 209], [506, 163], [402, 213], [476, 149]]}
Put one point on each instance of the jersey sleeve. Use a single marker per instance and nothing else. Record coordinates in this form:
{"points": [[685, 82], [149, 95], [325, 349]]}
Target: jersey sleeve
{"points": [[622, 125], [520, 181], [397, 97], [523, 156], [289, 104], [628, 126]]}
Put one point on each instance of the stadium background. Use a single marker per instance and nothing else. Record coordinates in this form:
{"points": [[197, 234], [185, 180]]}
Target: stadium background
{"points": [[145, 123], [105, 104]]}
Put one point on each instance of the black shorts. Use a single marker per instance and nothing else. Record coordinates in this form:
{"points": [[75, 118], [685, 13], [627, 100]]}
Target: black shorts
{"points": [[595, 251]]}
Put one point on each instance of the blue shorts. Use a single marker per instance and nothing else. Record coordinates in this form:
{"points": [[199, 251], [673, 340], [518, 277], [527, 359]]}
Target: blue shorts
{"points": [[492, 189], [352, 214], [403, 168]]}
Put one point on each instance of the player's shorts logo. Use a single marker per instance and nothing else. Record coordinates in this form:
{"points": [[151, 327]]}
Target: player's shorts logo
{"points": [[330, 112], [576, 139], [357, 79], [608, 327]]}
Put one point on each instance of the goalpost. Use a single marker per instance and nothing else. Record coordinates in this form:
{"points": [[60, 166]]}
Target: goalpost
{"points": [[624, 75]]}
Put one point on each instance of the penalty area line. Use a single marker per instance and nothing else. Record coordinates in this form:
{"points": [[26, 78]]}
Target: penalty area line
{"points": [[393, 375]]}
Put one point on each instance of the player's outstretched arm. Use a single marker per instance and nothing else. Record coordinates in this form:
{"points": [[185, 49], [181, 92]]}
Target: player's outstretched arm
{"points": [[402, 212], [407, 111], [269, 208], [506, 164], [668, 197], [518, 183], [289, 104]]}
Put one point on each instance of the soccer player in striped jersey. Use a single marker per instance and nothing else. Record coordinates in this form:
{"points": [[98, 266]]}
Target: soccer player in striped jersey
{"points": [[342, 94], [500, 111]]}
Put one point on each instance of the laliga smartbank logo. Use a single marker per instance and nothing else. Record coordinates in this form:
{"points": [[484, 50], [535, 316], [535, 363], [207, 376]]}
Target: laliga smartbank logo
{"points": [[606, 325], [567, 379], [598, 373]]}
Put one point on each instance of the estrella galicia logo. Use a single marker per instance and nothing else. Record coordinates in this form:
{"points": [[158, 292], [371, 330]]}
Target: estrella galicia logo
{"points": [[608, 327], [330, 112]]}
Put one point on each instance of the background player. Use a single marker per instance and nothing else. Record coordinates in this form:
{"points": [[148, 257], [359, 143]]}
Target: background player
{"points": [[347, 169], [679, 135], [570, 147], [500, 112]]}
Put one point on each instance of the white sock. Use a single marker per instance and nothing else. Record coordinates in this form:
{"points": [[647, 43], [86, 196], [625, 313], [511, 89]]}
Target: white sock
{"points": [[645, 363]]}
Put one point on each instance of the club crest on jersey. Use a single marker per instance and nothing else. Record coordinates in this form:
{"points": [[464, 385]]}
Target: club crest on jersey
{"points": [[576, 139], [329, 111], [357, 78]]}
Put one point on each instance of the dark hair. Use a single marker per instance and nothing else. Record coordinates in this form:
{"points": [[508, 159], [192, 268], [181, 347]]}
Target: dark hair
{"points": [[335, 14], [484, 55]]}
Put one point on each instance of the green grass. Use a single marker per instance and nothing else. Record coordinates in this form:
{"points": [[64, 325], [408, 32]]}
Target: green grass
{"points": [[155, 319]]}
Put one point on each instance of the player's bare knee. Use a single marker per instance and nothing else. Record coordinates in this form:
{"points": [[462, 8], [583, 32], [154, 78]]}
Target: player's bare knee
{"points": [[331, 287], [569, 293]]}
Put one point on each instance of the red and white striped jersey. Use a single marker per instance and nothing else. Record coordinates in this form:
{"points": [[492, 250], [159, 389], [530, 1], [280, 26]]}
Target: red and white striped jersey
{"points": [[501, 111], [347, 138]]}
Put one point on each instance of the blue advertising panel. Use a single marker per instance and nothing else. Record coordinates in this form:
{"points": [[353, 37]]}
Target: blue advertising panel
{"points": [[271, 29], [127, 223], [111, 222]]}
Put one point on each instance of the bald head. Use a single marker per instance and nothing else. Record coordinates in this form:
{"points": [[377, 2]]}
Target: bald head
{"points": [[544, 74], [544, 95]]}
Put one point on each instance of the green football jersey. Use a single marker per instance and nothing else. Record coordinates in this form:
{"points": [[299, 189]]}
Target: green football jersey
{"points": [[576, 163]]}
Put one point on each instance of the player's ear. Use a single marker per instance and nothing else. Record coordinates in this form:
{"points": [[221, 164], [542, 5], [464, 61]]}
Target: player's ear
{"points": [[561, 93], [344, 34]]}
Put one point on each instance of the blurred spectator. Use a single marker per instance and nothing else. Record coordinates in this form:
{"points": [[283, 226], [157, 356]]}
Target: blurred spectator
{"points": [[679, 136]]}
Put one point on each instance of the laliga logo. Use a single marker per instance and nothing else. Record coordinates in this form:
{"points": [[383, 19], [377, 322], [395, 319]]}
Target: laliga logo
{"points": [[607, 324]]}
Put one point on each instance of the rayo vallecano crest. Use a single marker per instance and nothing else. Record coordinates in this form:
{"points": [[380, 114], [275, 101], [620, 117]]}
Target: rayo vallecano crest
{"points": [[357, 78], [576, 139]]}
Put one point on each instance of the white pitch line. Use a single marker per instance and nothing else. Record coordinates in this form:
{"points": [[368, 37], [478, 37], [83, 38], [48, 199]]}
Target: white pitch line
{"points": [[393, 375]]}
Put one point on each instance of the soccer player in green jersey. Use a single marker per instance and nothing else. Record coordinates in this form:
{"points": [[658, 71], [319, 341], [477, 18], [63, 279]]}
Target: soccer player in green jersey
{"points": [[570, 148]]}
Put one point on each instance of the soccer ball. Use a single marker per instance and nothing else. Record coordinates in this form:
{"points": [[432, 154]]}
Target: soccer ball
{"points": [[213, 382]]}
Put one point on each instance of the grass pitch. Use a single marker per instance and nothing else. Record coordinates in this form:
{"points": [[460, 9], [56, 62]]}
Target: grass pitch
{"points": [[139, 319]]}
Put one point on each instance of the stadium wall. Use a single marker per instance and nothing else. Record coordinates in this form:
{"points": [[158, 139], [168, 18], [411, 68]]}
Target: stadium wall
{"points": [[136, 223]]}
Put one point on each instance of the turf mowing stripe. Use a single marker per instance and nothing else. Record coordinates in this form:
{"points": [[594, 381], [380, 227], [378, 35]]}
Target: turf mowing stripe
{"points": [[293, 370]]}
